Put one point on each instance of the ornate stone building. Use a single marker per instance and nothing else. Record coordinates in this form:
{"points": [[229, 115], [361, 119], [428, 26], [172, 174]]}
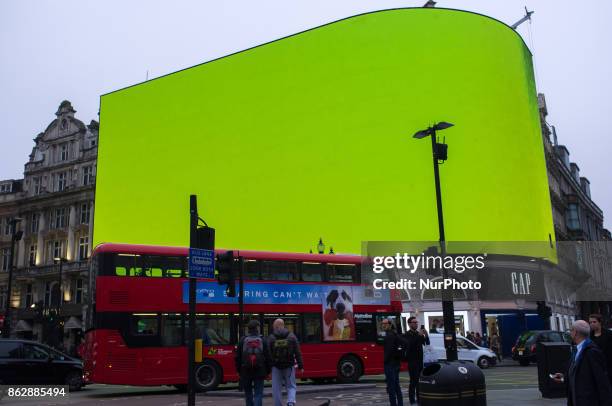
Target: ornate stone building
{"points": [[584, 245], [55, 203]]}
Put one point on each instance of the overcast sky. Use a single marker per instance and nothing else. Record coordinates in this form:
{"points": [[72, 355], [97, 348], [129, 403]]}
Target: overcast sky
{"points": [[78, 50]]}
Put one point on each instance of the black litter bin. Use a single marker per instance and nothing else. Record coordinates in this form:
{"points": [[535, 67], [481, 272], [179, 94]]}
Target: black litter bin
{"points": [[452, 383], [552, 358]]}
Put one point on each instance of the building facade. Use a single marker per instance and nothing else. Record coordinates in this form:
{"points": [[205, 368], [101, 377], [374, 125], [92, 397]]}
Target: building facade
{"points": [[585, 255], [54, 205]]}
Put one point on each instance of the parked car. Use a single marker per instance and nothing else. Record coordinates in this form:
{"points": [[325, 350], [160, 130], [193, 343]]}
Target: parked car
{"points": [[31, 363], [524, 350], [466, 351]]}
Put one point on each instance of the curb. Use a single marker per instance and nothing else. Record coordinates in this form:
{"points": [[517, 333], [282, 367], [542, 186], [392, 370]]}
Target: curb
{"points": [[306, 389]]}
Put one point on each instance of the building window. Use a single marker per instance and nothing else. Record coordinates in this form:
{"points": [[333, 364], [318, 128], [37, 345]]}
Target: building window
{"points": [[55, 249], [34, 220], [78, 291], [60, 218], [64, 124], [6, 226], [573, 219], [36, 185], [3, 297], [32, 255], [6, 188], [48, 291], [6, 253], [61, 181], [29, 298], [83, 248], [88, 177], [63, 152], [85, 211]]}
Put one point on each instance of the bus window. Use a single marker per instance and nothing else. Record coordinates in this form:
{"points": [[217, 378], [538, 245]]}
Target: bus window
{"points": [[365, 330], [144, 325], [380, 333], [173, 330], [312, 272], [213, 329], [291, 323], [312, 328], [144, 265], [344, 273], [251, 270], [279, 271]]}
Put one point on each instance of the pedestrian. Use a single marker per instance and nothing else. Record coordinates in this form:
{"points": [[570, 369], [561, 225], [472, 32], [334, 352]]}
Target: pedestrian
{"points": [[285, 354], [495, 345], [416, 340], [603, 339], [587, 380], [253, 364], [393, 346], [478, 339], [435, 324], [470, 336]]}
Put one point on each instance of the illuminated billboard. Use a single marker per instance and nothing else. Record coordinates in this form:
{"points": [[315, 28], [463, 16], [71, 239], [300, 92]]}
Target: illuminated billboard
{"points": [[310, 136]]}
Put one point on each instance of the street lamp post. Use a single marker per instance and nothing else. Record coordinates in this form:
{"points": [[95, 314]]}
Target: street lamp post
{"points": [[15, 236], [440, 153], [60, 261], [60, 331], [321, 246]]}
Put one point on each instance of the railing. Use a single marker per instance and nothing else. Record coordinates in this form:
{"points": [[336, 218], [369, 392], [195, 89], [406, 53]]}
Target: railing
{"points": [[51, 269]]}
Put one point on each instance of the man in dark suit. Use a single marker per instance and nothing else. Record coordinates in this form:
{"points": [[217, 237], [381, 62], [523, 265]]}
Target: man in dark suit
{"points": [[393, 343], [416, 340], [587, 380]]}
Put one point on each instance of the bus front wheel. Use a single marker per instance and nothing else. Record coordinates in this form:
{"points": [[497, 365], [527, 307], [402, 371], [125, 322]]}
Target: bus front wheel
{"points": [[208, 375], [349, 369]]}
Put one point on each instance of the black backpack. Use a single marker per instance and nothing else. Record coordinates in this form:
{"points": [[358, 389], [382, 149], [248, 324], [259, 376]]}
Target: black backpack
{"points": [[282, 354], [253, 355]]}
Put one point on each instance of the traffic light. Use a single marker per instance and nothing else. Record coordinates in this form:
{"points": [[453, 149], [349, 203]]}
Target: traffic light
{"points": [[226, 272]]}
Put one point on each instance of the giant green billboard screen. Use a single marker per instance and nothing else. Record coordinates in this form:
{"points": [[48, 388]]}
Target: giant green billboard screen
{"points": [[311, 136]]}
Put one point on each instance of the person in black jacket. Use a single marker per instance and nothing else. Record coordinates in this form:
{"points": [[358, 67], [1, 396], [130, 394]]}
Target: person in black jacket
{"points": [[253, 364], [587, 378], [393, 343], [414, 356], [603, 339]]}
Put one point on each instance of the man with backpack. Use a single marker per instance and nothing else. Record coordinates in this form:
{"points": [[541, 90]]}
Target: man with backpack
{"points": [[252, 364], [284, 353]]}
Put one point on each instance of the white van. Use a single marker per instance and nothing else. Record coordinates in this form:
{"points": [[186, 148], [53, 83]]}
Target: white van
{"points": [[466, 351]]}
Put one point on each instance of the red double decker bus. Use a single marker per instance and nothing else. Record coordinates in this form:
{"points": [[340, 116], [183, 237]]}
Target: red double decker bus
{"points": [[138, 319]]}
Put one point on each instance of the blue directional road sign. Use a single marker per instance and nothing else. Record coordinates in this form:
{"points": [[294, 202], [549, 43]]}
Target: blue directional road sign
{"points": [[201, 263]]}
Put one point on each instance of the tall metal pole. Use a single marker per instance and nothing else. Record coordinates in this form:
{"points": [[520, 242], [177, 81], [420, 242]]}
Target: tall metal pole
{"points": [[448, 309], [7, 310], [59, 301], [193, 224], [241, 298]]}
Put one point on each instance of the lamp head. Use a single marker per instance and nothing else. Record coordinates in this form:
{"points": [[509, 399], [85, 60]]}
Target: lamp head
{"points": [[442, 125]]}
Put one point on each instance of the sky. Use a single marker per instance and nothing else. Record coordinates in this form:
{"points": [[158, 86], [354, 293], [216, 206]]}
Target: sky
{"points": [[78, 50]]}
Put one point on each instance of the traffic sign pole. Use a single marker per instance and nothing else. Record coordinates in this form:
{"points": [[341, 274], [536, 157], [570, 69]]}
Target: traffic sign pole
{"points": [[201, 265], [193, 225]]}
